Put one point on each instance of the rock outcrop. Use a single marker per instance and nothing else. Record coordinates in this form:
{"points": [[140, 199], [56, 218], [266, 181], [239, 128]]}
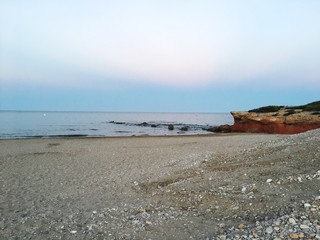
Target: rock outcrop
{"points": [[267, 123], [286, 120], [226, 128]]}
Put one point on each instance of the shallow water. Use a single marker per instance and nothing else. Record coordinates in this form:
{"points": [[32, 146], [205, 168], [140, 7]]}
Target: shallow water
{"points": [[50, 124]]}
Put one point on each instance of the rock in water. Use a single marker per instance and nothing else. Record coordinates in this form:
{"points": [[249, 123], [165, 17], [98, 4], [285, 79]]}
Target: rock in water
{"points": [[144, 124], [170, 127], [224, 128], [219, 129], [184, 129]]}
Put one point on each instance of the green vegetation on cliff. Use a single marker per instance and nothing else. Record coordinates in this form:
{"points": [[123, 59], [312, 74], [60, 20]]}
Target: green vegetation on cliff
{"points": [[310, 107], [314, 106], [267, 109]]}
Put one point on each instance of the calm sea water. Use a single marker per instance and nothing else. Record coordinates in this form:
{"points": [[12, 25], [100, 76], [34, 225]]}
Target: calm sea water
{"points": [[55, 124]]}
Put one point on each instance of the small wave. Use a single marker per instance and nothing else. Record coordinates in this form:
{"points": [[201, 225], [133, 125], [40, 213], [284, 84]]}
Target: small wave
{"points": [[47, 136], [68, 135], [119, 123]]}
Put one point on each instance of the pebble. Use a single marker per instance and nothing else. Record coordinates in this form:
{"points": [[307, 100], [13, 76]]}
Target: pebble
{"points": [[269, 180], [307, 205], [292, 221], [222, 237], [269, 230], [301, 223], [73, 231], [296, 236], [255, 235], [242, 227], [303, 226]]}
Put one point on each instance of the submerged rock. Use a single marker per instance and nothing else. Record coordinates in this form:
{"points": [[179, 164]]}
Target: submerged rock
{"points": [[144, 124], [184, 129], [117, 122], [170, 127]]}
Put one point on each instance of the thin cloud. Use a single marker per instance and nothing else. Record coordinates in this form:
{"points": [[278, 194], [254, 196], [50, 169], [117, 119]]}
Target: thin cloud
{"points": [[171, 43]]}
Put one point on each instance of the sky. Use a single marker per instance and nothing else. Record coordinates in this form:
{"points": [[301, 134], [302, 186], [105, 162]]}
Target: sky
{"points": [[158, 55]]}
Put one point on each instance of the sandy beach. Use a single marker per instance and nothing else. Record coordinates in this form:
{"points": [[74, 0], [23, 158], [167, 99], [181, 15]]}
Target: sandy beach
{"points": [[188, 187]]}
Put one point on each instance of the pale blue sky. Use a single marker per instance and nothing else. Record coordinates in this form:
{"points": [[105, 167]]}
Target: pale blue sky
{"points": [[152, 55]]}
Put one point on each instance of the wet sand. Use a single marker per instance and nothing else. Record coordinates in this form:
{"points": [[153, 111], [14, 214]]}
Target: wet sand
{"points": [[152, 187]]}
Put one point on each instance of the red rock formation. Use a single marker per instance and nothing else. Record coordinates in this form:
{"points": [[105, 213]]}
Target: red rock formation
{"points": [[269, 123]]}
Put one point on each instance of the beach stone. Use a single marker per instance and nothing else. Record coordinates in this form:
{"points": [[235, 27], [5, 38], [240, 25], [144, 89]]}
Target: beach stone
{"points": [[277, 223], [292, 221], [149, 223], [303, 226], [296, 236], [242, 226], [222, 237], [269, 180], [255, 235], [307, 205], [269, 230]]}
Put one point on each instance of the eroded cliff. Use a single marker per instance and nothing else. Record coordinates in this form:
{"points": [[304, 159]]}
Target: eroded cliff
{"points": [[278, 119]]}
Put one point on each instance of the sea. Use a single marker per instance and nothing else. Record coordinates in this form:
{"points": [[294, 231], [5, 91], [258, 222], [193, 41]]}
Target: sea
{"points": [[27, 124]]}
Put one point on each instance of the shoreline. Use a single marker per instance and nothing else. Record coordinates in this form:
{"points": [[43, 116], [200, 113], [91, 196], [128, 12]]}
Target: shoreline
{"points": [[159, 187], [138, 136]]}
